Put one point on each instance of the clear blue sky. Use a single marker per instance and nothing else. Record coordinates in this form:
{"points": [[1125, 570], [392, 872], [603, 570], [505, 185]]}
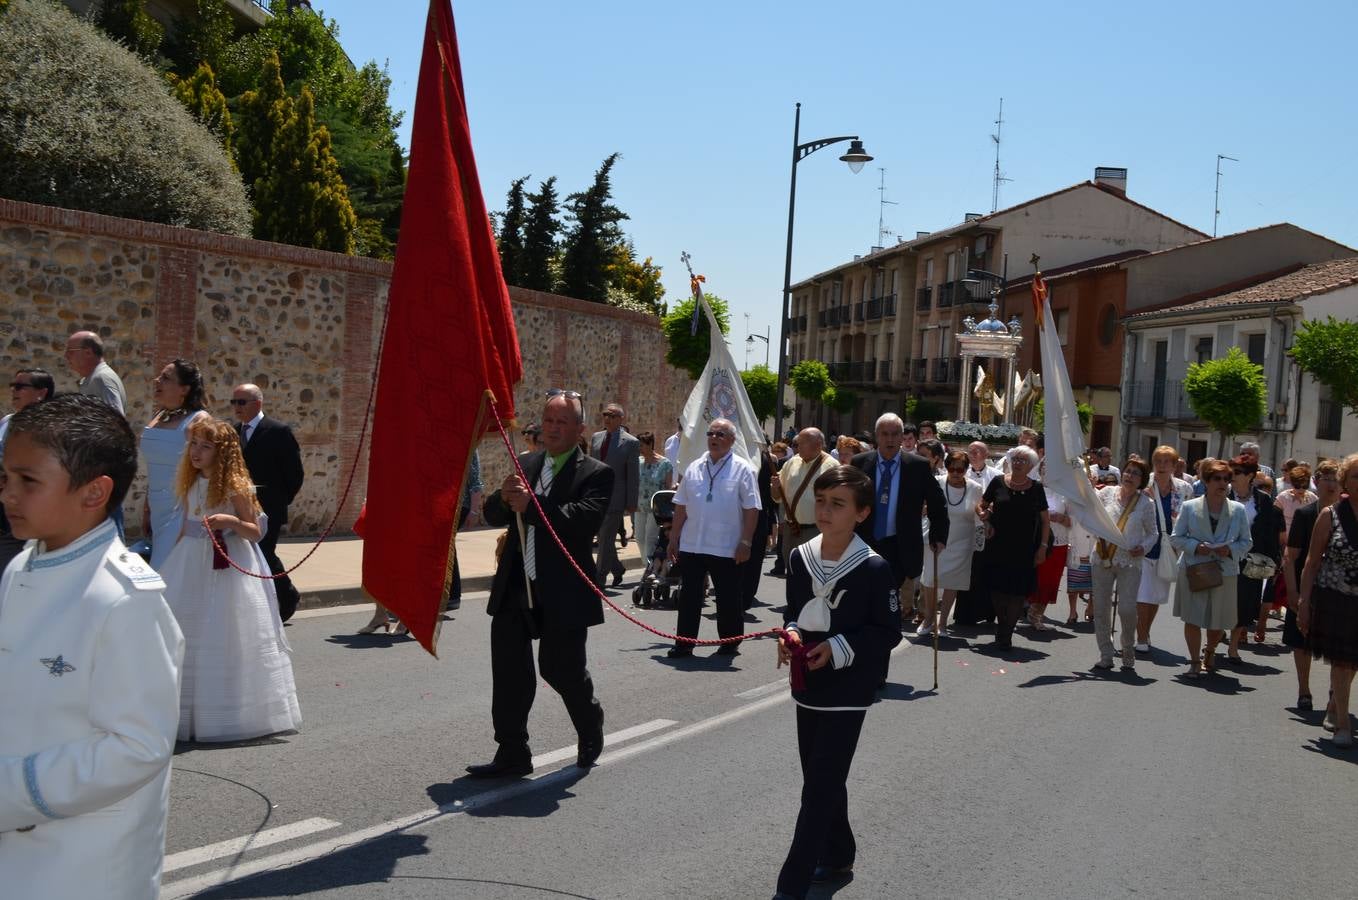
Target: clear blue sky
{"points": [[698, 98]]}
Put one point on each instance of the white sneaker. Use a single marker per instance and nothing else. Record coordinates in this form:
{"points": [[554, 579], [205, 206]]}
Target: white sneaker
{"points": [[923, 630], [1143, 648]]}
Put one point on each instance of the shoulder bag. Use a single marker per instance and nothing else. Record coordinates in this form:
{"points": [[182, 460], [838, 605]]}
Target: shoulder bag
{"points": [[1167, 566]]}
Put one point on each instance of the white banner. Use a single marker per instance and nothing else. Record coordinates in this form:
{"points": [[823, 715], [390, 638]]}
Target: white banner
{"points": [[719, 394]]}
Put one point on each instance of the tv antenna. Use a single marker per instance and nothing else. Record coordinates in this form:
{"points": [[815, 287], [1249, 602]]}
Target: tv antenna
{"points": [[1216, 198], [882, 204], [999, 176]]}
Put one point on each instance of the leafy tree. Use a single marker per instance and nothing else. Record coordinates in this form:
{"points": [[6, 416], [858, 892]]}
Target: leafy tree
{"points": [[810, 378], [85, 124], [1228, 394], [285, 157], [840, 399], [761, 383], [201, 38], [510, 238], [129, 22], [200, 96], [540, 232], [1083, 411], [639, 282], [589, 245], [308, 51], [1328, 352], [373, 169], [689, 351]]}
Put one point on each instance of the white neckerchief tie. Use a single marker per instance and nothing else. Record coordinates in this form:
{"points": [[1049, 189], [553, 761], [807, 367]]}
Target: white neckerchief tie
{"points": [[530, 562], [815, 615]]}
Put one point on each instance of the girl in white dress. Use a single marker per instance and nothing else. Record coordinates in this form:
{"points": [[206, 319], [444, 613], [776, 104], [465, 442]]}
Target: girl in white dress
{"points": [[237, 677]]}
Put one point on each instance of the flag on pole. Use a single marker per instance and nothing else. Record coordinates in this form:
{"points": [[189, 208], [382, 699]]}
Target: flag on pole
{"points": [[450, 339], [719, 394], [1065, 468]]}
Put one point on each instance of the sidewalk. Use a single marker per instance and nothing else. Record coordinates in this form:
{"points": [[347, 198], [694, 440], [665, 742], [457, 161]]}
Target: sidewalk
{"points": [[333, 574]]}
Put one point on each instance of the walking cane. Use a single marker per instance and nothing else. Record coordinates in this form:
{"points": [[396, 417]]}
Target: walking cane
{"points": [[938, 596]]}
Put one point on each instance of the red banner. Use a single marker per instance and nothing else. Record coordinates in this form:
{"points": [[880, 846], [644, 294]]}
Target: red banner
{"points": [[450, 338]]}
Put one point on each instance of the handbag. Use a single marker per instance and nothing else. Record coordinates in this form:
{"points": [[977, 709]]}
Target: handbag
{"points": [[1167, 566], [1204, 576]]}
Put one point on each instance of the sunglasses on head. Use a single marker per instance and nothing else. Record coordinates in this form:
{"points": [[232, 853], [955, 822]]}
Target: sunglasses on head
{"points": [[560, 392]]}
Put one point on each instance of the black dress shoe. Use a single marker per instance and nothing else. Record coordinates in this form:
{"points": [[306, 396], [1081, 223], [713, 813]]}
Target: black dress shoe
{"points": [[822, 874], [678, 652], [617, 578], [499, 768], [589, 748], [728, 650]]}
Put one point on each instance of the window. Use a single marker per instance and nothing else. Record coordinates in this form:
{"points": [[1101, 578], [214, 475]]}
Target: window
{"points": [[1108, 324], [1329, 416], [943, 342], [929, 272], [1254, 348], [893, 282], [836, 293], [951, 261], [1062, 324], [1151, 441], [1203, 350], [1196, 451], [1101, 435]]}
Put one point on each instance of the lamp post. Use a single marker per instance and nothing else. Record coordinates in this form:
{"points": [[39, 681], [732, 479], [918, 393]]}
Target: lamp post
{"points": [[749, 342], [856, 157]]}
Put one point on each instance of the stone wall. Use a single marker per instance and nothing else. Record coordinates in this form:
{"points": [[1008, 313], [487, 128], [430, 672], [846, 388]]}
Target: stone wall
{"points": [[302, 324]]}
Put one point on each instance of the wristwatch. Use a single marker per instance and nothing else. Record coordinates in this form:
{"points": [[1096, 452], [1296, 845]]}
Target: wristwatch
{"points": [[745, 543]]}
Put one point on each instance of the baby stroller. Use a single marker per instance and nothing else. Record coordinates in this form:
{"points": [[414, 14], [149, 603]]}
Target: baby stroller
{"points": [[659, 587]]}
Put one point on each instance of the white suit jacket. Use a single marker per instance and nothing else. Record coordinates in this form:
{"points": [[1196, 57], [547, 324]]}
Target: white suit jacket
{"points": [[89, 703]]}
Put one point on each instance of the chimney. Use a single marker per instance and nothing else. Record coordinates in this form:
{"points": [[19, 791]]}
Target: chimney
{"points": [[971, 217], [1111, 178], [920, 234]]}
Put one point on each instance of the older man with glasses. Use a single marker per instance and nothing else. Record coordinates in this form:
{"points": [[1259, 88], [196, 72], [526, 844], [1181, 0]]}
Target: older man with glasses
{"points": [[621, 452], [716, 510]]}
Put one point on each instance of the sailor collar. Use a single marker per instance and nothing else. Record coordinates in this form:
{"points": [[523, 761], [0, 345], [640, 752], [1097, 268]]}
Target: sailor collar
{"points": [[93, 540], [815, 615]]}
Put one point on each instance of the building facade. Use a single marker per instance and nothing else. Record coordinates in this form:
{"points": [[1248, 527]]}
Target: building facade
{"points": [[885, 323]]}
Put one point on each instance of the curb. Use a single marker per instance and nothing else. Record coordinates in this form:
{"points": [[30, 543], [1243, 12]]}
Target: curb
{"points": [[354, 593]]}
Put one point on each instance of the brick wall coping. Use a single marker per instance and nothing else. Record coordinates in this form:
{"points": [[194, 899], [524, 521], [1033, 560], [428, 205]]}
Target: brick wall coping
{"points": [[586, 307], [18, 212]]}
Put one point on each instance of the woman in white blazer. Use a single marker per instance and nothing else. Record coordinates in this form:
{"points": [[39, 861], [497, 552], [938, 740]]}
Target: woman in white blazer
{"points": [[1210, 527]]}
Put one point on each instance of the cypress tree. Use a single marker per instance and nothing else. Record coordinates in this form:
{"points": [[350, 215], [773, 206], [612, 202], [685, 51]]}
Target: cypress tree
{"points": [[200, 96], [511, 234], [590, 245], [539, 239]]}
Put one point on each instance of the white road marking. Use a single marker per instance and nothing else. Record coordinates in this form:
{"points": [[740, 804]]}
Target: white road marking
{"points": [[189, 886], [199, 855], [556, 756], [752, 693]]}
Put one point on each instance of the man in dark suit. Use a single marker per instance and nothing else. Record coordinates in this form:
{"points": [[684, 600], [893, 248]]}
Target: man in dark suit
{"points": [[275, 464], [537, 593], [621, 452], [903, 487]]}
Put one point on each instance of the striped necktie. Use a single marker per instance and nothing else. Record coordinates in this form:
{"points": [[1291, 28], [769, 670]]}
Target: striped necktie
{"points": [[530, 562]]}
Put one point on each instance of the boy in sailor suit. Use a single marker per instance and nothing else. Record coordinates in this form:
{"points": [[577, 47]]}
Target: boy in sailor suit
{"points": [[842, 620], [89, 667]]}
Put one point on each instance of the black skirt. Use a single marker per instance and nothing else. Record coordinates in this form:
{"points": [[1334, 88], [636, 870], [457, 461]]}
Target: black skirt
{"points": [[1249, 593], [1334, 626]]}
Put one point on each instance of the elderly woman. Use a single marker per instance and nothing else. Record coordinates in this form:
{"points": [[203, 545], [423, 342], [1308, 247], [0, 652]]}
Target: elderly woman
{"points": [[1119, 566], [180, 399], [954, 562], [1170, 494], [1210, 529], [1014, 509], [1327, 611], [1266, 529]]}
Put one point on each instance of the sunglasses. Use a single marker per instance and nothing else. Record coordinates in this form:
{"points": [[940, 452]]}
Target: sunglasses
{"points": [[956, 470], [559, 392], [20, 384], [719, 434], [235, 401], [612, 415]]}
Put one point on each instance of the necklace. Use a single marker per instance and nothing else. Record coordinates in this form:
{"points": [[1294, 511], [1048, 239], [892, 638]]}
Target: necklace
{"points": [[947, 494], [712, 476], [169, 415]]}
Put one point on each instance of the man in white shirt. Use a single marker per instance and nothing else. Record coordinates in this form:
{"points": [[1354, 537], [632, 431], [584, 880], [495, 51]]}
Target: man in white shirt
{"points": [[672, 445], [716, 510], [1250, 450], [1103, 468], [791, 488], [979, 470]]}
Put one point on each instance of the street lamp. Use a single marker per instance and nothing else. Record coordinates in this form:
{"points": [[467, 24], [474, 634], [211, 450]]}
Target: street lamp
{"points": [[856, 158], [749, 342]]}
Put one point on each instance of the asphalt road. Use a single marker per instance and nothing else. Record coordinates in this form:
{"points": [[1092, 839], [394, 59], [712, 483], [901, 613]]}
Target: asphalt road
{"points": [[1027, 777]]}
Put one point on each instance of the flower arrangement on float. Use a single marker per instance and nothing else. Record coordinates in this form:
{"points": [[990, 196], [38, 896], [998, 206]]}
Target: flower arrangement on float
{"points": [[971, 431]]}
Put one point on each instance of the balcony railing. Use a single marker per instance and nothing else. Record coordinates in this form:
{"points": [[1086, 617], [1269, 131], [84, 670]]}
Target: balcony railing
{"points": [[945, 294], [889, 306], [919, 371], [924, 298], [859, 311], [1158, 400], [860, 372]]}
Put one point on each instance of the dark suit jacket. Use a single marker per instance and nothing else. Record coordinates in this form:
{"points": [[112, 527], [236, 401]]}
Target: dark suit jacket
{"points": [[624, 458], [275, 464], [1268, 525], [918, 490], [575, 507]]}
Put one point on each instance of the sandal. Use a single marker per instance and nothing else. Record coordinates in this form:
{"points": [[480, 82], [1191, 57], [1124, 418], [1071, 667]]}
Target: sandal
{"points": [[1209, 661], [1195, 669], [1259, 636], [1071, 620]]}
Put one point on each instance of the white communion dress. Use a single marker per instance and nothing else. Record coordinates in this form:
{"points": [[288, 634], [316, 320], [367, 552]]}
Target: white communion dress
{"points": [[237, 674]]}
